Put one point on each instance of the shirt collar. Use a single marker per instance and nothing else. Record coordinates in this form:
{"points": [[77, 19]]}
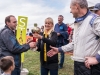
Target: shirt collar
{"points": [[60, 24], [83, 17]]}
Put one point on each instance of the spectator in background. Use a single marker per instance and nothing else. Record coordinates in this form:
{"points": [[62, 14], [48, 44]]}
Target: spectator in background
{"points": [[62, 34], [7, 65], [71, 36], [42, 28], [69, 30], [28, 32], [96, 9]]}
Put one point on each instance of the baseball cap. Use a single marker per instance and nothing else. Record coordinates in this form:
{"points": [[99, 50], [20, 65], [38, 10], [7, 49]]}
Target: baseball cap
{"points": [[96, 7]]}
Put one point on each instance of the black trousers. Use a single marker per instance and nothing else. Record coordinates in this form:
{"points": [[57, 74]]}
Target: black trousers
{"points": [[80, 69]]}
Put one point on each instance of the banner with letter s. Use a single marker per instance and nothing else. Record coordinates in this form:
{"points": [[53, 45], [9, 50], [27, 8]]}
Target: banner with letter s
{"points": [[21, 32]]}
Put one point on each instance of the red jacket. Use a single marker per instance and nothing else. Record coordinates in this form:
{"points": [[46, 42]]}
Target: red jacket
{"points": [[69, 30]]}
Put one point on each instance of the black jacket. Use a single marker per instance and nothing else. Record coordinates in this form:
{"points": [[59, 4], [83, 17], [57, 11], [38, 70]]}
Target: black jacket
{"points": [[52, 62], [9, 46]]}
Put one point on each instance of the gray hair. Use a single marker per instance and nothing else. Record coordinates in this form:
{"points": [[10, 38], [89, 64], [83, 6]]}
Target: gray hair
{"points": [[82, 3]]}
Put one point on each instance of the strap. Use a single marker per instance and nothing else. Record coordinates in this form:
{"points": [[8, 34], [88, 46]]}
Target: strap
{"points": [[93, 19]]}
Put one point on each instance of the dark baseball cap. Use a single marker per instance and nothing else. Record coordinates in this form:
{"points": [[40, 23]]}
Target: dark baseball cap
{"points": [[96, 7]]}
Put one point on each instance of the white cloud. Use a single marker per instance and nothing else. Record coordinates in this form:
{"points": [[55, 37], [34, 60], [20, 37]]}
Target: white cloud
{"points": [[36, 12], [93, 2]]}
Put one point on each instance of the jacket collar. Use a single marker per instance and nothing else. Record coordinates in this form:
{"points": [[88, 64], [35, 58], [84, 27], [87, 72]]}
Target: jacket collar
{"points": [[83, 17], [9, 28]]}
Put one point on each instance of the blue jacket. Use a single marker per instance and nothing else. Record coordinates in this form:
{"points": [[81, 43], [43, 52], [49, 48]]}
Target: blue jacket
{"points": [[9, 46], [62, 39]]}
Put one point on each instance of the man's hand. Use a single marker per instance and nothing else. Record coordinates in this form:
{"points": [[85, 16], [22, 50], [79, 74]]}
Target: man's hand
{"points": [[52, 52], [29, 40], [32, 44], [90, 61], [37, 36]]}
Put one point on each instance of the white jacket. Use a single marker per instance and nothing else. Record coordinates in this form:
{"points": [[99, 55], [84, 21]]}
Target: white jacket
{"points": [[84, 39]]}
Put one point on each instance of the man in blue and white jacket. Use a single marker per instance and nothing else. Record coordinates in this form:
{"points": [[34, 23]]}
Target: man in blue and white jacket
{"points": [[86, 41]]}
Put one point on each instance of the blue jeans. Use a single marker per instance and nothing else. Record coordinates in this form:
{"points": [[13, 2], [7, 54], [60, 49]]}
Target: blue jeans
{"points": [[16, 71], [62, 56], [44, 71]]}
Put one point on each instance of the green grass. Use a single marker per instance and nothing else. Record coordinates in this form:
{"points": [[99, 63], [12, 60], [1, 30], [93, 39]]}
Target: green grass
{"points": [[32, 63]]}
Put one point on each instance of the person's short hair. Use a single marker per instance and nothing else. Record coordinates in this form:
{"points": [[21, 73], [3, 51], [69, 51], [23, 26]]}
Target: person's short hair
{"points": [[30, 34], [6, 63], [42, 26], [27, 28], [7, 19], [61, 16], [82, 3]]}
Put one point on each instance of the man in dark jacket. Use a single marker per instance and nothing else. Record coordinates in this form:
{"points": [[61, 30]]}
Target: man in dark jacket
{"points": [[9, 45], [62, 34]]}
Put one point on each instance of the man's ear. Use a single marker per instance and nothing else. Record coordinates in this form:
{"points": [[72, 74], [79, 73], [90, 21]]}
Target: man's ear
{"points": [[11, 68], [7, 23]]}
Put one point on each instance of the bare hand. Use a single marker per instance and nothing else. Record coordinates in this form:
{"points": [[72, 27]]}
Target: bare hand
{"points": [[52, 52], [37, 36], [32, 44], [29, 40], [90, 61]]}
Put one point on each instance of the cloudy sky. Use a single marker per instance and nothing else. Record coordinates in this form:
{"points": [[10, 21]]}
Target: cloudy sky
{"points": [[37, 10]]}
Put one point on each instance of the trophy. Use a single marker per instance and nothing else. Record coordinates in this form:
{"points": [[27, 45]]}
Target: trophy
{"points": [[35, 30]]}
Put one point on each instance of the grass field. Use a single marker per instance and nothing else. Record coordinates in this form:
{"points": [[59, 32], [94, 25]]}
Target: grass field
{"points": [[32, 63]]}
